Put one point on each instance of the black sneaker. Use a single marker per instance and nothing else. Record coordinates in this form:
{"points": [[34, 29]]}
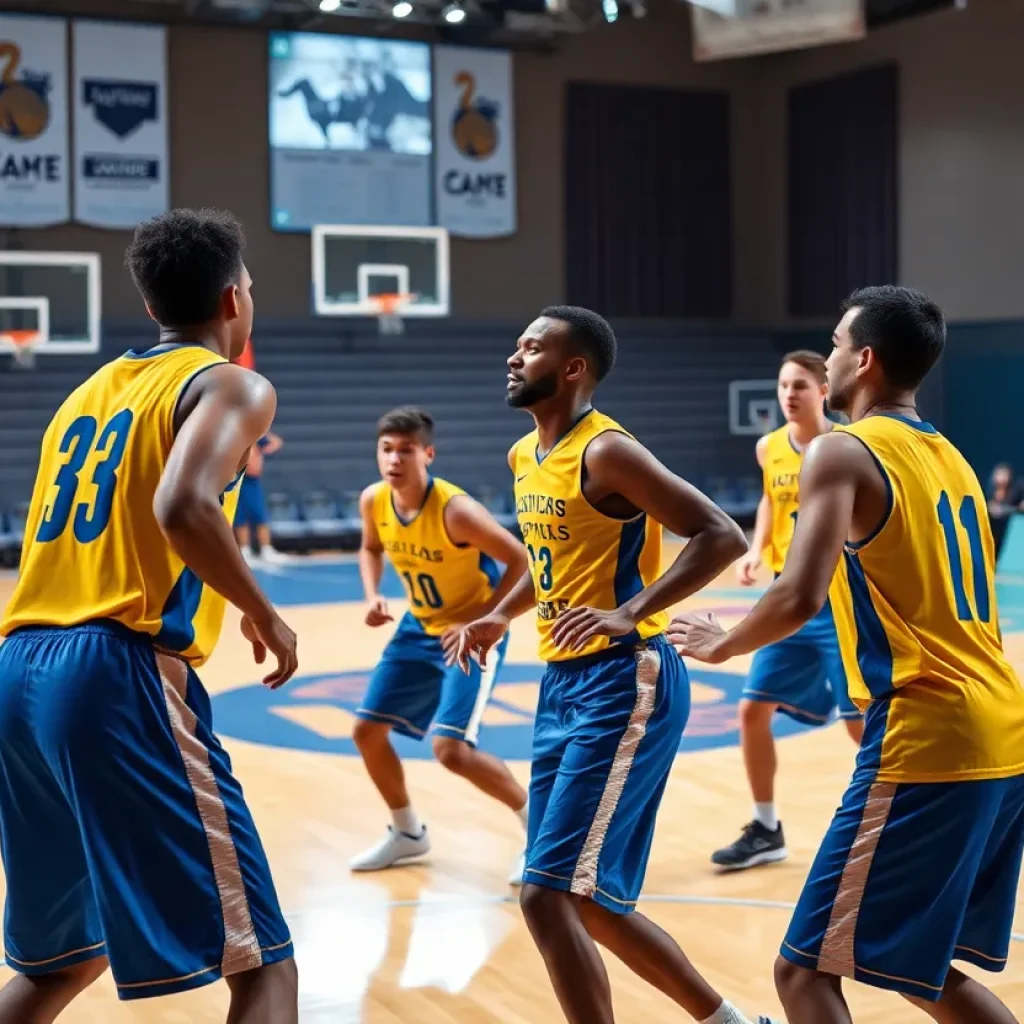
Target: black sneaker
{"points": [[757, 845]]}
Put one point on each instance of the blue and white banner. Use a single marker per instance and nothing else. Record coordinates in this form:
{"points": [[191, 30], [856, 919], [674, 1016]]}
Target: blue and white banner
{"points": [[34, 166], [474, 147], [121, 149]]}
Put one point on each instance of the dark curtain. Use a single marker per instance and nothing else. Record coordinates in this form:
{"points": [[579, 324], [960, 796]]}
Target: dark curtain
{"points": [[647, 201], [843, 198]]}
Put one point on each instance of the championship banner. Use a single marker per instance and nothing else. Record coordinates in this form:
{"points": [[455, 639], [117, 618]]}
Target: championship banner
{"points": [[475, 153], [33, 121], [120, 102]]}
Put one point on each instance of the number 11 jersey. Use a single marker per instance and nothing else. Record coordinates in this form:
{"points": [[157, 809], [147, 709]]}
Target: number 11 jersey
{"points": [[92, 548], [915, 611]]}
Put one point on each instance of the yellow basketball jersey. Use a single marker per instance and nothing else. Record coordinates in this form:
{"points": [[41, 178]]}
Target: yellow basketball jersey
{"points": [[578, 556], [915, 610], [92, 548], [445, 583], [781, 471]]}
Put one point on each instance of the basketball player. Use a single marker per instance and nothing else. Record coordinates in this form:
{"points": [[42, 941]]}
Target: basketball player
{"points": [[921, 863], [252, 516], [614, 698], [801, 676], [445, 547], [126, 840]]}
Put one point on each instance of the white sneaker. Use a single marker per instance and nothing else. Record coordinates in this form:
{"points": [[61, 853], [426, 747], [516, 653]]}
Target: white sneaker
{"points": [[250, 558], [516, 877], [272, 556], [395, 848]]}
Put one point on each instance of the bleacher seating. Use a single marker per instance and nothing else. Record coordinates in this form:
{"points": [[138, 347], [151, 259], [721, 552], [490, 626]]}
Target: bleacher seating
{"points": [[335, 378]]}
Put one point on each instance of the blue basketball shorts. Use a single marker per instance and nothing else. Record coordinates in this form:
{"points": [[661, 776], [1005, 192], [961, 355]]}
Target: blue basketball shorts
{"points": [[252, 503], [123, 832], [803, 674], [607, 732], [909, 877], [412, 687]]}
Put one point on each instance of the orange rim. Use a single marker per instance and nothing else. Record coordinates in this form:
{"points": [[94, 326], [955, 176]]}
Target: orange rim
{"points": [[389, 303], [20, 339]]}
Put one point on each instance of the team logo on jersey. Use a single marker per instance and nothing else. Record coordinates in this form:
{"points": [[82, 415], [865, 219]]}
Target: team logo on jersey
{"points": [[24, 96]]}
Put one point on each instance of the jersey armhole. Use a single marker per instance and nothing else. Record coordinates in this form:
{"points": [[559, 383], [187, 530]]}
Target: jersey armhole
{"points": [[181, 394], [860, 545], [583, 478], [444, 526]]}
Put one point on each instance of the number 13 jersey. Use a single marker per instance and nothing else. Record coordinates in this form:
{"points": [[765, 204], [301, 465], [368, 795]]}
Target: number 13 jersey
{"points": [[915, 610], [580, 557], [446, 583], [92, 547]]}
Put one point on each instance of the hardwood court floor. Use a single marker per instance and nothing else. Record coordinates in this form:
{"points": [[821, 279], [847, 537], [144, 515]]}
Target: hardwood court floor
{"points": [[444, 942]]}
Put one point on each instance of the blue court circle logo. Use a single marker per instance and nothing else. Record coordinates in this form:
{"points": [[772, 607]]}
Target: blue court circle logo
{"points": [[317, 713]]}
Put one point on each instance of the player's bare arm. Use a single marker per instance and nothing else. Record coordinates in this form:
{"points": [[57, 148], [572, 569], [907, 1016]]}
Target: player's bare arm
{"points": [[842, 496], [469, 523], [747, 567], [479, 636], [625, 479], [222, 414], [371, 562]]}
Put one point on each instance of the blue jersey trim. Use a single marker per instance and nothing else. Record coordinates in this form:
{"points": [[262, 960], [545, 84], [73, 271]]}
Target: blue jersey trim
{"points": [[161, 348], [177, 627], [579, 419], [489, 567], [890, 501], [423, 503], [876, 720], [874, 655], [628, 582], [184, 387], [922, 425]]}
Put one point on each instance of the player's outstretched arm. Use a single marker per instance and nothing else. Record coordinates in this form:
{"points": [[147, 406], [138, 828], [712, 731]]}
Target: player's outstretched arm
{"points": [[833, 468], [618, 465], [371, 562], [221, 415]]}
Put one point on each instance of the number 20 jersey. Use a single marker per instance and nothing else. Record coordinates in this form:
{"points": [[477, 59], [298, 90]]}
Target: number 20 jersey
{"points": [[915, 611], [92, 547], [580, 557]]}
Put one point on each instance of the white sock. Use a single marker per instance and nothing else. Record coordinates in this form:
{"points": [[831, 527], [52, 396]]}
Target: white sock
{"points": [[408, 821], [726, 1014], [765, 813], [523, 814]]}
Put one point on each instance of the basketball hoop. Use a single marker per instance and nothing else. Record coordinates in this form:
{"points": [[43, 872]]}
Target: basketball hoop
{"points": [[389, 306], [22, 345]]}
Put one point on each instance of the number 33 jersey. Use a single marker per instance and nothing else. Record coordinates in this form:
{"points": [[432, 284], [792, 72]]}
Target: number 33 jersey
{"points": [[446, 583], [915, 611], [580, 557], [92, 546]]}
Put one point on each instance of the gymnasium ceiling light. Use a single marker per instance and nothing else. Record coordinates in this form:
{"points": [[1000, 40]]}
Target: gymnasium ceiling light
{"points": [[454, 14], [402, 9]]}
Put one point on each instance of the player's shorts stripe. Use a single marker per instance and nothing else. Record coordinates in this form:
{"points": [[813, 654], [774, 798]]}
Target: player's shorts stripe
{"points": [[837, 948], [488, 673], [241, 946], [648, 668]]}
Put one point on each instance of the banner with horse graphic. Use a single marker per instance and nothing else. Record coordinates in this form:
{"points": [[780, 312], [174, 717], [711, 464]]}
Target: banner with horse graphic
{"points": [[121, 148], [33, 121], [475, 169]]}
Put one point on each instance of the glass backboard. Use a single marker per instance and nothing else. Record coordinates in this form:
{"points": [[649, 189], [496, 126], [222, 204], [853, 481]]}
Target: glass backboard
{"points": [[54, 292], [351, 264]]}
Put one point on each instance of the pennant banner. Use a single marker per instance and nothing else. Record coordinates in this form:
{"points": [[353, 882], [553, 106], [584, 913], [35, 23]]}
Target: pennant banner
{"points": [[475, 154], [121, 148], [33, 121]]}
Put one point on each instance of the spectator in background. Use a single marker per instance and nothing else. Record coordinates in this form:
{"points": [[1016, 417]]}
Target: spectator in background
{"points": [[1004, 500], [252, 503]]}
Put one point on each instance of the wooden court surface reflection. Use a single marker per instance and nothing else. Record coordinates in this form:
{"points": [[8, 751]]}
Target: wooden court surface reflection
{"points": [[444, 942]]}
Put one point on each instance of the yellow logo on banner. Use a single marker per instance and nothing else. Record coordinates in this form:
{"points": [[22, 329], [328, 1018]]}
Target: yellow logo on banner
{"points": [[24, 107]]}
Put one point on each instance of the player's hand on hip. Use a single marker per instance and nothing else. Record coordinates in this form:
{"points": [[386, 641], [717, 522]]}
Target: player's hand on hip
{"points": [[574, 627], [377, 612], [698, 636], [746, 568], [273, 635], [476, 640]]}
